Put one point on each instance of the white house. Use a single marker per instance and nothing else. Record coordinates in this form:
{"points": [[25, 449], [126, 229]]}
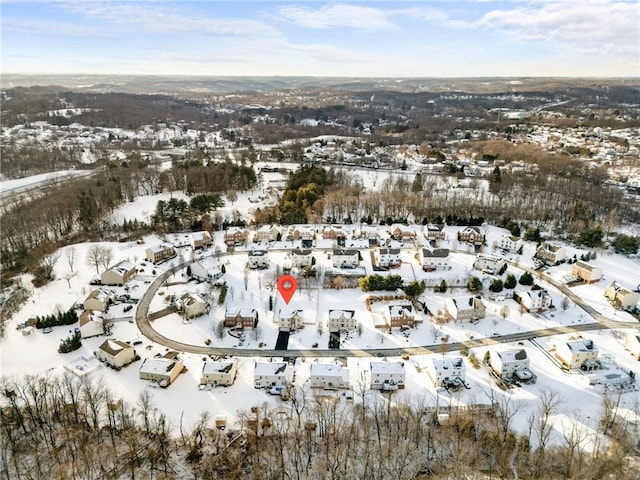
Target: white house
{"points": [[301, 258], [491, 264], [575, 354], [328, 375], [272, 374], [163, 370], [509, 363], [201, 272], [219, 373], [388, 257], [465, 308], [447, 372], [342, 320], [632, 343], [119, 274], [621, 297], [387, 375], [192, 305], [550, 254], [290, 319], [510, 243], [160, 253], [258, 259], [534, 300], [267, 233], [91, 325], [99, 300], [342, 258], [200, 239], [434, 259], [115, 353]]}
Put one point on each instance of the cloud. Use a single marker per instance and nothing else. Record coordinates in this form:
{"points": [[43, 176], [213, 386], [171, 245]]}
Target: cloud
{"points": [[159, 18], [588, 27], [39, 27], [338, 15]]}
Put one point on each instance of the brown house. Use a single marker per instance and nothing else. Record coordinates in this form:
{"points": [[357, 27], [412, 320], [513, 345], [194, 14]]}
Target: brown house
{"points": [[472, 235], [235, 235], [241, 317]]}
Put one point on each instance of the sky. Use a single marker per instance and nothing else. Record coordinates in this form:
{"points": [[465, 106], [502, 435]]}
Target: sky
{"points": [[584, 38]]}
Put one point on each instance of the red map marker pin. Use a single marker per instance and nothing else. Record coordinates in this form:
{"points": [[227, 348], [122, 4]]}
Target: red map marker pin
{"points": [[287, 286]]}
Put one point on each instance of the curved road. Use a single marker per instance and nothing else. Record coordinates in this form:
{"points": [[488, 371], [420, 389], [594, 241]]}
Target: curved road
{"points": [[148, 331]]}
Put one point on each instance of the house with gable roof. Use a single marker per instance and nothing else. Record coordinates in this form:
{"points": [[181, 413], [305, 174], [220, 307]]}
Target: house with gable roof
{"points": [[465, 309], [119, 274], [115, 353]]}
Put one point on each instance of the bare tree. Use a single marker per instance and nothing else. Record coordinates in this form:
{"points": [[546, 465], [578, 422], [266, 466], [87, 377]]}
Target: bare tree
{"points": [[94, 257], [107, 257], [70, 254], [565, 303], [504, 311]]}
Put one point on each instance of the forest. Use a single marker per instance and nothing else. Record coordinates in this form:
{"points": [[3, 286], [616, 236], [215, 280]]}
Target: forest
{"points": [[66, 427]]}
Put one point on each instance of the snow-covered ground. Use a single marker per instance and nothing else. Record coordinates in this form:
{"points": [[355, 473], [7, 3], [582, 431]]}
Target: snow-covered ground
{"points": [[37, 353]]}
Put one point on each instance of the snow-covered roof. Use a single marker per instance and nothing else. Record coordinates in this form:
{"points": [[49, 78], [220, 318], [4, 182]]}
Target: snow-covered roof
{"points": [[157, 366], [387, 367], [440, 364], [269, 368], [114, 347], [217, 367], [341, 313], [327, 370]]}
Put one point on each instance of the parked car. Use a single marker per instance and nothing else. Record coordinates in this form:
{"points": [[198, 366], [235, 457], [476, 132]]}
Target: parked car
{"points": [[275, 390], [47, 330]]}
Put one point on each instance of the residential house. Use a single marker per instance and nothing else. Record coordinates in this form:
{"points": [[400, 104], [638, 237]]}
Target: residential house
{"points": [[576, 353], [632, 343], [99, 300], [342, 320], [219, 373], [192, 305], [178, 240], [465, 309], [511, 363], [434, 259], [329, 376], [621, 297], [402, 232], [301, 258], [119, 274], [272, 374], [510, 243], [491, 264], [586, 272], [335, 232], [160, 253], [472, 235], [200, 240], [91, 325], [290, 319], [115, 353], [241, 317], [388, 257], [201, 272], [371, 234], [433, 232], [258, 259], [235, 236], [534, 300], [342, 258], [447, 372], [300, 232], [163, 370], [401, 316], [550, 254], [387, 375], [267, 233]]}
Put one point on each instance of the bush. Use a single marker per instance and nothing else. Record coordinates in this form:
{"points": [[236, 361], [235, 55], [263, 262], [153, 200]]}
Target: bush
{"points": [[510, 282], [526, 279], [474, 284], [626, 244], [61, 318], [378, 282], [496, 286], [70, 344], [223, 294]]}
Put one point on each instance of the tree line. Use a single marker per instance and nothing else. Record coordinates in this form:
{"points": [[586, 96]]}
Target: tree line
{"points": [[67, 427]]}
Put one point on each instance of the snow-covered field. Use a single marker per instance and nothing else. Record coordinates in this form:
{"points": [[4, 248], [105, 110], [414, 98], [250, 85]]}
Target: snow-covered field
{"points": [[183, 401]]}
